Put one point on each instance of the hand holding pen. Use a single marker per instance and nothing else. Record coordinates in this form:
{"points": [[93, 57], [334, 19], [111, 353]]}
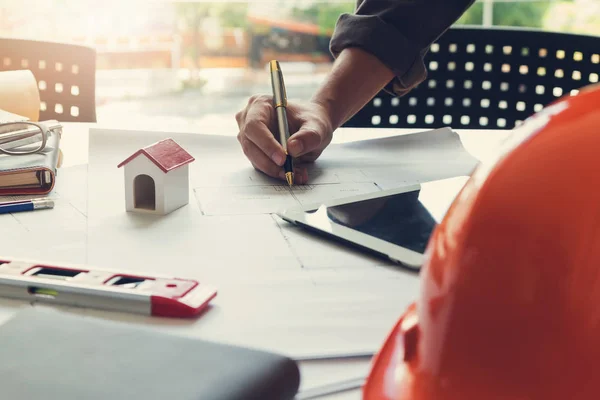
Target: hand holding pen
{"points": [[310, 133]]}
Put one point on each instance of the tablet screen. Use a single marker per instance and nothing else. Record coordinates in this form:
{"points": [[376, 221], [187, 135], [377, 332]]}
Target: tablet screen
{"points": [[405, 219]]}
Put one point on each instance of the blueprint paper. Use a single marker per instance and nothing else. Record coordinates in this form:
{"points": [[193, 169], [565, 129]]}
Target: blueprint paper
{"points": [[386, 162], [280, 287]]}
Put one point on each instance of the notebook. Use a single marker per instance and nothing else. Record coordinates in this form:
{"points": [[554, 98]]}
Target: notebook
{"points": [[51, 354], [33, 174]]}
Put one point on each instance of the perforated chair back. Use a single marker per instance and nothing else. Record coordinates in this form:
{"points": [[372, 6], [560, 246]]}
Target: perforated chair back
{"points": [[480, 78], [66, 76]]}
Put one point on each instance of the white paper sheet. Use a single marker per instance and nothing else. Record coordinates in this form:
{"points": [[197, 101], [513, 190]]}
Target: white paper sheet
{"points": [[280, 288]]}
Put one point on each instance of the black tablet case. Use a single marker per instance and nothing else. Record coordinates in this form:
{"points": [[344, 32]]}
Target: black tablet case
{"points": [[49, 354]]}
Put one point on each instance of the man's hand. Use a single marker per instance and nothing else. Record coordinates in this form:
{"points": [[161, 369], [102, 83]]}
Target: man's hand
{"points": [[310, 129]]}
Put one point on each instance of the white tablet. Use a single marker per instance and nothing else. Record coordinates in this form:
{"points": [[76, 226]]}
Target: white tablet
{"points": [[395, 224]]}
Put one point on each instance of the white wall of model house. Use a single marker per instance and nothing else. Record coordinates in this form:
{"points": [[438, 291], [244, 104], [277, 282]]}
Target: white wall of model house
{"points": [[170, 190], [177, 188]]}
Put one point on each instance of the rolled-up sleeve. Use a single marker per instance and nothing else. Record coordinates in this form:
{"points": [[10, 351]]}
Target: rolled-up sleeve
{"points": [[397, 32]]}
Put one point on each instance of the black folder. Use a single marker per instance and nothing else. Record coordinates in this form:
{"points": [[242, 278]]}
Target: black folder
{"points": [[50, 354]]}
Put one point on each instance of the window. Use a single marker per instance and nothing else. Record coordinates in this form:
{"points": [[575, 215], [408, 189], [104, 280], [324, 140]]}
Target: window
{"points": [[163, 57]]}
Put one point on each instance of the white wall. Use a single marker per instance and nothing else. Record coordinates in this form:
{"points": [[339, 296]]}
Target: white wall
{"points": [[177, 186]]}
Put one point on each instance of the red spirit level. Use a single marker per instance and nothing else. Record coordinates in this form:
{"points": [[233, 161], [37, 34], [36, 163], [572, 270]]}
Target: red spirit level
{"points": [[103, 289]]}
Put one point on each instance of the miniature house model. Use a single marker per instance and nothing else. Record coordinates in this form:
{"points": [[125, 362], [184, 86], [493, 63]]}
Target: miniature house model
{"points": [[157, 178]]}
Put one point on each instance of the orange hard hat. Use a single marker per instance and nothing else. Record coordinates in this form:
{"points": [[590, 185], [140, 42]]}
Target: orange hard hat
{"points": [[509, 305]]}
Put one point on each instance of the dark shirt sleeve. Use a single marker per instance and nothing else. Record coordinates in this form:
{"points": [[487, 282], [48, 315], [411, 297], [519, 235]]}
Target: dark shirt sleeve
{"points": [[399, 33]]}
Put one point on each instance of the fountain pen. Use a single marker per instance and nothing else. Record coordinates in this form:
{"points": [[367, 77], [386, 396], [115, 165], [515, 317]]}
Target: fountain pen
{"points": [[280, 105]]}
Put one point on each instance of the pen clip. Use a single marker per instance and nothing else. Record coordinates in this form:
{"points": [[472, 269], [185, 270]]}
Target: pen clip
{"points": [[279, 92], [283, 91]]}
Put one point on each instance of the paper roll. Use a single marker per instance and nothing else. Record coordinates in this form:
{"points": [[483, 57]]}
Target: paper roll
{"points": [[19, 94]]}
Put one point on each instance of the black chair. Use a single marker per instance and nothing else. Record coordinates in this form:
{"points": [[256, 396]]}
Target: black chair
{"points": [[65, 73], [482, 78]]}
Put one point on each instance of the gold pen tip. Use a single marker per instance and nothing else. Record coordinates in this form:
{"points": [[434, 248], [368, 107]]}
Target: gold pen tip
{"points": [[274, 65], [289, 177]]}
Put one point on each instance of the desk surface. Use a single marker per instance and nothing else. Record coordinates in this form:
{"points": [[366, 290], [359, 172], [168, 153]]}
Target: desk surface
{"points": [[479, 143]]}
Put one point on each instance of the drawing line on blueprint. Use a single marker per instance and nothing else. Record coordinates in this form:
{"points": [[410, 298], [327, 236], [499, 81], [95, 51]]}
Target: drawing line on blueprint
{"points": [[280, 188], [267, 199]]}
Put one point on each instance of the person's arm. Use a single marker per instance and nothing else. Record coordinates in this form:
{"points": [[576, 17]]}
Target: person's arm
{"points": [[381, 46], [398, 33], [356, 77]]}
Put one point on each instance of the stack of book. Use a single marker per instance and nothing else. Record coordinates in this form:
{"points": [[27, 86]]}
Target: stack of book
{"points": [[32, 173]]}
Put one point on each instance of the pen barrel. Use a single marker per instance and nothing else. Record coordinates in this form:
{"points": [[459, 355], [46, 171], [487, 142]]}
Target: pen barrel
{"points": [[289, 164], [280, 105], [13, 208], [282, 126]]}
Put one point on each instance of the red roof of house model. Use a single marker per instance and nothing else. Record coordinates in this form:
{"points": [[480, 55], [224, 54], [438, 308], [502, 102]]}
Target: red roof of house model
{"points": [[166, 154]]}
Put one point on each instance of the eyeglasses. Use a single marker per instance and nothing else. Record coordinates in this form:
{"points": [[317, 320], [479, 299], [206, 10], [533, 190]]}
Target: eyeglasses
{"points": [[24, 137]]}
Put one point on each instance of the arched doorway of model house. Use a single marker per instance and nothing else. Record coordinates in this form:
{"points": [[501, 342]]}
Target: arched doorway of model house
{"points": [[144, 192]]}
